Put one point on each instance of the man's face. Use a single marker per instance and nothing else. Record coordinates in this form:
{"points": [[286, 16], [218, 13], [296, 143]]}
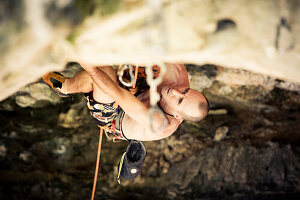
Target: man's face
{"points": [[181, 99]]}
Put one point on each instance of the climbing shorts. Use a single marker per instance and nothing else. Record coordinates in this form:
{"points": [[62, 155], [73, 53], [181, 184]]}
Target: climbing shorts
{"points": [[108, 116]]}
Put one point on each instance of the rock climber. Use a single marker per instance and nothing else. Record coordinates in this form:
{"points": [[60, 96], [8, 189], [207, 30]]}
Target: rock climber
{"points": [[125, 116]]}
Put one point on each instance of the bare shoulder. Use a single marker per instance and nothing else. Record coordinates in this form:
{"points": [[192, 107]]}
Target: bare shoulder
{"points": [[176, 65]]}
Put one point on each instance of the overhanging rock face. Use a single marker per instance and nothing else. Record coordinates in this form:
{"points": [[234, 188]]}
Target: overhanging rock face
{"points": [[188, 32], [236, 34]]}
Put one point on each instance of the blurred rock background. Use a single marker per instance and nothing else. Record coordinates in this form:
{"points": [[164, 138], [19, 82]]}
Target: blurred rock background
{"points": [[248, 146]]}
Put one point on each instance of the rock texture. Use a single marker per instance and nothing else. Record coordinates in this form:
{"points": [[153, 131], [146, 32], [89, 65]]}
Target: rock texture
{"points": [[35, 96], [49, 151], [248, 146], [44, 36]]}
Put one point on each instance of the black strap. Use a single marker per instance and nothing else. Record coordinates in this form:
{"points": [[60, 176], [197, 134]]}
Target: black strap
{"points": [[164, 111]]}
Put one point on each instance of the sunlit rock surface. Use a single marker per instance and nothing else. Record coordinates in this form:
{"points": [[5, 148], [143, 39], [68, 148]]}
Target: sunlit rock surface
{"points": [[248, 146], [42, 36]]}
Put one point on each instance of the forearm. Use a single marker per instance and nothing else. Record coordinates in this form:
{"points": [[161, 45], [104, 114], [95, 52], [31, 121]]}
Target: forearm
{"points": [[101, 78], [128, 102], [105, 83], [120, 95], [91, 69]]}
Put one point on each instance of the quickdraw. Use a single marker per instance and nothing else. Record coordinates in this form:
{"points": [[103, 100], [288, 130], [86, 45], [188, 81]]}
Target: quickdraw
{"points": [[154, 75], [154, 96], [120, 73]]}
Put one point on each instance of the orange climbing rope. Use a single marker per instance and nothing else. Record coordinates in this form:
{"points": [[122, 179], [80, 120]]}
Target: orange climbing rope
{"points": [[100, 142], [97, 163], [139, 71]]}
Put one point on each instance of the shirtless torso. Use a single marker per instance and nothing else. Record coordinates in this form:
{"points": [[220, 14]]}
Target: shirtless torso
{"points": [[176, 75], [174, 90]]}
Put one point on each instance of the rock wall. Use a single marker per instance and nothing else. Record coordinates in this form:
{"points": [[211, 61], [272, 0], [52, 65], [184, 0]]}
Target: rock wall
{"points": [[247, 148], [43, 36]]}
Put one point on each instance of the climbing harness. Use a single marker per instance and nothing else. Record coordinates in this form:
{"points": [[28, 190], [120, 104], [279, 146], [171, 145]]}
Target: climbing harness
{"points": [[283, 25], [152, 79], [133, 159], [108, 117]]}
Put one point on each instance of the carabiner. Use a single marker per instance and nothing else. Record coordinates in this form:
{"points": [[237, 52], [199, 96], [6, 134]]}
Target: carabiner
{"points": [[120, 73]]}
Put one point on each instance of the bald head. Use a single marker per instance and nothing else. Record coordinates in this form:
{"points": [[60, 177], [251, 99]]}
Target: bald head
{"points": [[197, 109], [184, 103]]}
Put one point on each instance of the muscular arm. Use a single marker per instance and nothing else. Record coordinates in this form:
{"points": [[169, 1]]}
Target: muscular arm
{"points": [[90, 69], [129, 103]]}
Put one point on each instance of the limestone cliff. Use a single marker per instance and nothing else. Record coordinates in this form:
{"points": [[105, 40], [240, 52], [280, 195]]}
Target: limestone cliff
{"points": [[241, 54], [247, 148], [260, 36]]}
